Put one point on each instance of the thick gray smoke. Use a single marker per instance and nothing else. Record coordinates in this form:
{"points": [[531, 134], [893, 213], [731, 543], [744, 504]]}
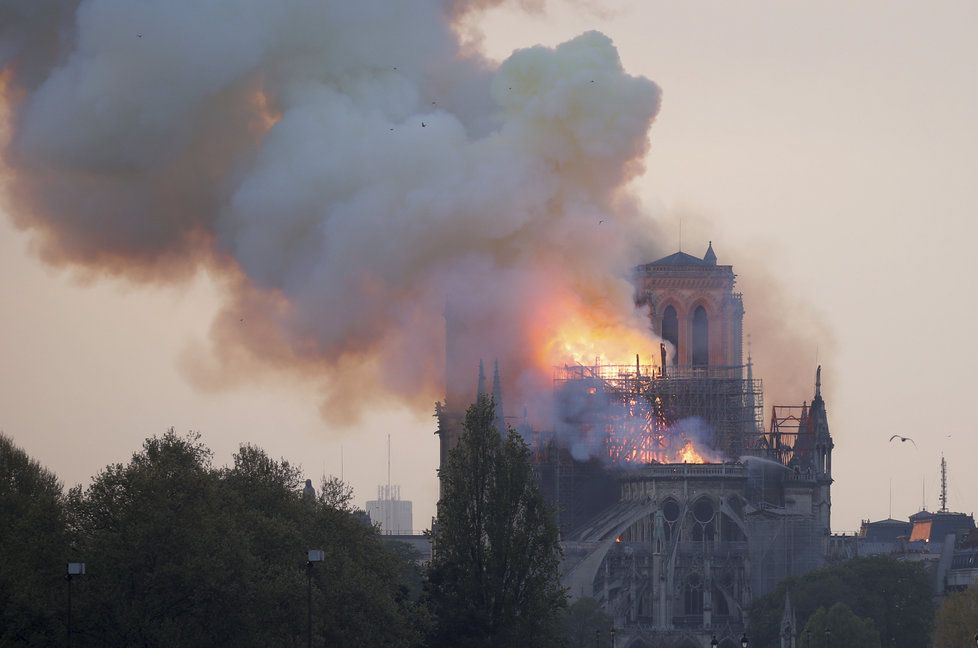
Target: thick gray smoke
{"points": [[348, 167]]}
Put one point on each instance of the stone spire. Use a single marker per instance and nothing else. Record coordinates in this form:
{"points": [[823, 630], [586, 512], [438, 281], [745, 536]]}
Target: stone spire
{"points": [[710, 256], [497, 398], [480, 391], [789, 625]]}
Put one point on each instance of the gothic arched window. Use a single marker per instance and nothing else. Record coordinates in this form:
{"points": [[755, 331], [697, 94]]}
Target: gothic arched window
{"points": [[701, 338], [670, 331]]}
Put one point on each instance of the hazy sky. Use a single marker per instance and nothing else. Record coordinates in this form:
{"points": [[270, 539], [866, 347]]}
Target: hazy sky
{"points": [[830, 145]]}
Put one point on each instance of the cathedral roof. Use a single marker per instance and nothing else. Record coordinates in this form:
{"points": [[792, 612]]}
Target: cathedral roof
{"points": [[679, 259]]}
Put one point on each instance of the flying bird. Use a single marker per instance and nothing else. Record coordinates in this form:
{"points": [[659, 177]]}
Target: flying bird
{"points": [[424, 125], [600, 221], [903, 439], [139, 35]]}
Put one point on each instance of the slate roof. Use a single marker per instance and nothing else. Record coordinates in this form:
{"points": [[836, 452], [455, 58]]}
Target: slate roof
{"points": [[679, 259]]}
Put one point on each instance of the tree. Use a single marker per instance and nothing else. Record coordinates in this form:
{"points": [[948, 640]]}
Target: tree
{"points": [[847, 630], [957, 620], [493, 580], [33, 551], [583, 621], [181, 553], [895, 595]]}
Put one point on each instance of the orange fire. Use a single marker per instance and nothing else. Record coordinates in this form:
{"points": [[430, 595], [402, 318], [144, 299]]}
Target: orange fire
{"points": [[688, 454], [569, 333]]}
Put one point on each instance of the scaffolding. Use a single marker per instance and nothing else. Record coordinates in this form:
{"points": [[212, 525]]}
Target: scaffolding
{"points": [[642, 414], [789, 439]]}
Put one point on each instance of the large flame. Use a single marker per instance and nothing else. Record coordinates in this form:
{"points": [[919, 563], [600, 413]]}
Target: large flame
{"points": [[569, 332], [688, 454]]}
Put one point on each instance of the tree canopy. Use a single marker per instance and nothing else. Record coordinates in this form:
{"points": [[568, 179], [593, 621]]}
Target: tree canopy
{"points": [[182, 553], [845, 628], [493, 580], [895, 595], [585, 625], [957, 620], [33, 550]]}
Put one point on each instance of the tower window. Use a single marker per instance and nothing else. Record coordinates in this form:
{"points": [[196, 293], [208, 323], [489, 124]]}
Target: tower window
{"points": [[701, 338], [670, 331]]}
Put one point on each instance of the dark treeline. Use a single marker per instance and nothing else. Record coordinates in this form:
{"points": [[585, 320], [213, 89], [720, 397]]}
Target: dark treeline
{"points": [[180, 552]]}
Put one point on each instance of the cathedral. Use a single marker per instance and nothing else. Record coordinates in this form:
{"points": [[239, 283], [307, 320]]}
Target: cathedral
{"points": [[676, 506]]}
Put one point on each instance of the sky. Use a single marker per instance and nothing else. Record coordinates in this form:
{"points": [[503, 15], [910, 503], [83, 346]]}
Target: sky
{"points": [[829, 151]]}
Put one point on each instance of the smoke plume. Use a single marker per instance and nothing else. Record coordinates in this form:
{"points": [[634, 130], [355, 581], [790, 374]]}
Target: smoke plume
{"points": [[349, 169]]}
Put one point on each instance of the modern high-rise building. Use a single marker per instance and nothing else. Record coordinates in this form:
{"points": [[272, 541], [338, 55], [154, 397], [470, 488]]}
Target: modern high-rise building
{"points": [[393, 514]]}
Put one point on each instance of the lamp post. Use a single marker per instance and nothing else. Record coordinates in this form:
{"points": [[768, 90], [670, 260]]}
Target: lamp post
{"points": [[828, 637], [612, 636], [713, 642], [808, 639], [597, 639], [73, 569], [744, 641], [314, 556]]}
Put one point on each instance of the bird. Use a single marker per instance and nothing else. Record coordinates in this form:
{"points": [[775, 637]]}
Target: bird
{"points": [[392, 128], [424, 125], [600, 221], [139, 35], [903, 439]]}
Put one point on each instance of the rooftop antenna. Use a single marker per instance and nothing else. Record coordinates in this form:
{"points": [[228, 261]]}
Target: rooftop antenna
{"points": [[341, 465], [943, 485], [889, 514], [680, 233]]}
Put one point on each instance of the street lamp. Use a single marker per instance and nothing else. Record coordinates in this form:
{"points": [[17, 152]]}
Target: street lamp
{"points": [[744, 641], [314, 556], [612, 636], [713, 642], [73, 569]]}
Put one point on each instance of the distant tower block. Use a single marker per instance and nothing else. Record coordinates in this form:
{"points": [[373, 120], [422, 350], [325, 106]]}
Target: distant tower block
{"points": [[393, 514], [693, 306]]}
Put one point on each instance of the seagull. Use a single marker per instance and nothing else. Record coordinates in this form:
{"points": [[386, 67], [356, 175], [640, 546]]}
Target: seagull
{"points": [[903, 439], [139, 35], [424, 125], [600, 221]]}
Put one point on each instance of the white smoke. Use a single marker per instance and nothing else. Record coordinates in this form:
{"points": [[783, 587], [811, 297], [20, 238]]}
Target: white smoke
{"points": [[347, 165]]}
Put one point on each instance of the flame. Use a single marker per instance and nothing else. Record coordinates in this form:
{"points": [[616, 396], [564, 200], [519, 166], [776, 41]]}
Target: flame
{"points": [[568, 332], [688, 454]]}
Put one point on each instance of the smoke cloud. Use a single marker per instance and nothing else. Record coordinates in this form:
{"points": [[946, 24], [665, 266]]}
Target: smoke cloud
{"points": [[348, 169]]}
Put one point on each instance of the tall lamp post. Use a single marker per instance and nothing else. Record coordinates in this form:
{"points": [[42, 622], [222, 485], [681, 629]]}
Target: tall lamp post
{"points": [[314, 556], [73, 569]]}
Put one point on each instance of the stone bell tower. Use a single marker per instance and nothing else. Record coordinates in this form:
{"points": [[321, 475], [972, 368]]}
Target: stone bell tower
{"points": [[692, 306]]}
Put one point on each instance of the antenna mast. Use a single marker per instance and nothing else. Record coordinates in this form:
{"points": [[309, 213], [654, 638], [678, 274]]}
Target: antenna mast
{"points": [[943, 485]]}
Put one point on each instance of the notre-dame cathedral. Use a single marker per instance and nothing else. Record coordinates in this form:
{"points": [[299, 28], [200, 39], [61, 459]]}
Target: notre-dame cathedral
{"points": [[676, 504]]}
